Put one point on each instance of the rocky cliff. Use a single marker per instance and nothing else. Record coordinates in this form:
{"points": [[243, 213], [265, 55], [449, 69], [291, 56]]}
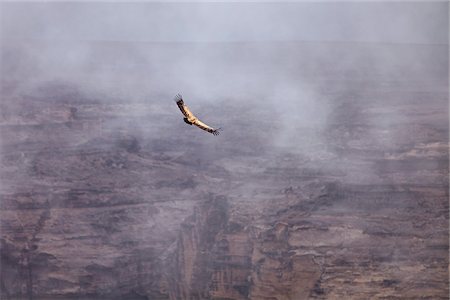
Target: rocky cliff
{"points": [[107, 197]]}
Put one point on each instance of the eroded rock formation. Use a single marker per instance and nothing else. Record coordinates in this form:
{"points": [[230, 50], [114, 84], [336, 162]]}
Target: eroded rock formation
{"points": [[107, 198]]}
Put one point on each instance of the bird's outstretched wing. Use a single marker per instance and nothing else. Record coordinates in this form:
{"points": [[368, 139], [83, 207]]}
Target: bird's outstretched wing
{"points": [[184, 109], [192, 119], [205, 127]]}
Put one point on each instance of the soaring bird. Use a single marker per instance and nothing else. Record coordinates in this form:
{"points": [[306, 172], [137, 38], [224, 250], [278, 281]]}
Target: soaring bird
{"points": [[191, 119]]}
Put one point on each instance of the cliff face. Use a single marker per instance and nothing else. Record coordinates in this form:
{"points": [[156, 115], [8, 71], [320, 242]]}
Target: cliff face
{"points": [[119, 199]]}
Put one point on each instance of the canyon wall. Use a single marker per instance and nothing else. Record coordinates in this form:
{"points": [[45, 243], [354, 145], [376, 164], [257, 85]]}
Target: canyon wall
{"points": [[107, 194]]}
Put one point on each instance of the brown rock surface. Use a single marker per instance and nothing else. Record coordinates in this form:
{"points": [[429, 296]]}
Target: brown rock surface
{"points": [[103, 197]]}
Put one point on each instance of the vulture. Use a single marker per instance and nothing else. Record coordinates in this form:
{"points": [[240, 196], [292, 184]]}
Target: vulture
{"points": [[191, 119]]}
